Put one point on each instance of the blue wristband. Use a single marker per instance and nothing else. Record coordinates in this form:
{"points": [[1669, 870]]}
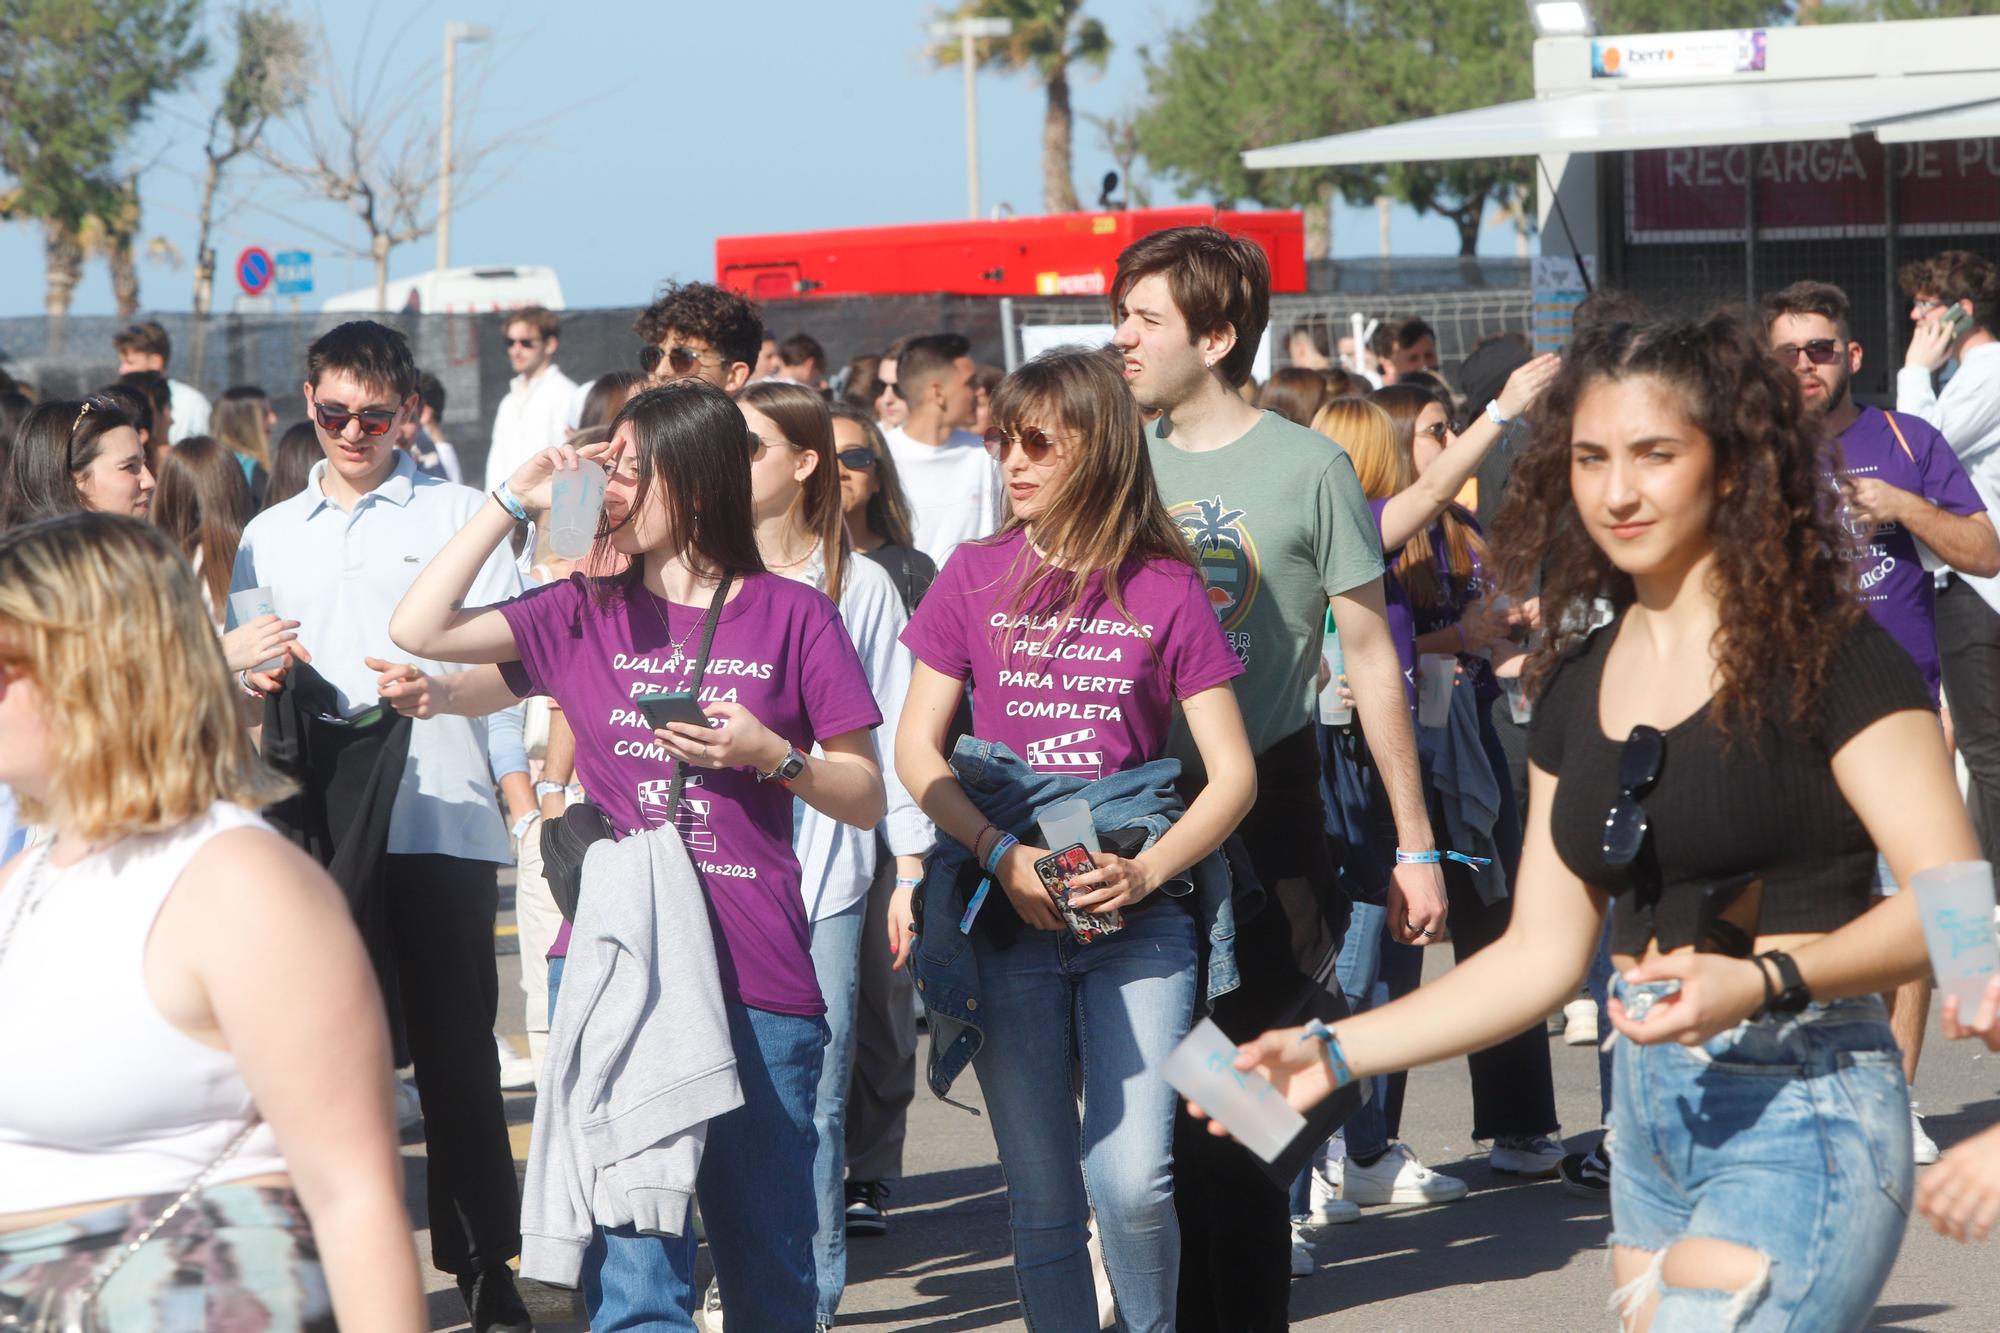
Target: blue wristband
{"points": [[1000, 846], [511, 502], [1336, 1059], [1404, 858]]}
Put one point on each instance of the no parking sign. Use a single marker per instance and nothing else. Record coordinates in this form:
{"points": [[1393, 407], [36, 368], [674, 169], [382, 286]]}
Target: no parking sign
{"points": [[253, 270]]}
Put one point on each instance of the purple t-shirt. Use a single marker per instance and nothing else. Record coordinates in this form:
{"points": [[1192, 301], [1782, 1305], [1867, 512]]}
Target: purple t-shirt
{"points": [[1396, 607], [781, 652], [1895, 587], [1095, 696]]}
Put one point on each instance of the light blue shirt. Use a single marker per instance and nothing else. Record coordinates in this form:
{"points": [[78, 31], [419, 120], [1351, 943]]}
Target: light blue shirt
{"points": [[340, 574]]}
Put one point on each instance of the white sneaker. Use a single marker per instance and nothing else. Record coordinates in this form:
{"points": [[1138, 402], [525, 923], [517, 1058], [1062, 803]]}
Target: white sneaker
{"points": [[1328, 1208], [1923, 1149], [1397, 1177], [1580, 1026], [1304, 1261], [517, 1071], [409, 1108], [1532, 1155]]}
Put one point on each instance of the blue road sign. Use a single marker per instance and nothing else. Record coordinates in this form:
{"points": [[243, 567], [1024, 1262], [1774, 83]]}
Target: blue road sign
{"points": [[253, 270], [295, 273]]}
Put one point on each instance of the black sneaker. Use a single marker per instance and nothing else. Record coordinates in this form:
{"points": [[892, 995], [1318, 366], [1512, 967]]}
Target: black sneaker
{"points": [[493, 1302], [1587, 1174], [867, 1208]]}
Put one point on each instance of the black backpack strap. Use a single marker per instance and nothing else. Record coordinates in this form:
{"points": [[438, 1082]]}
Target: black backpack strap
{"points": [[708, 625]]}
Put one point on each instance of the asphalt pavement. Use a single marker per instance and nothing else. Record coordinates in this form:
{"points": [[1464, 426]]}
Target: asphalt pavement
{"points": [[1510, 1256]]}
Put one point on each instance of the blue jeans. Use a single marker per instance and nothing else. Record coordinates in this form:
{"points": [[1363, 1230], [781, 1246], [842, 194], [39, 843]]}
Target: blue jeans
{"points": [[1118, 1007], [836, 955], [1789, 1136], [755, 1191], [1374, 969]]}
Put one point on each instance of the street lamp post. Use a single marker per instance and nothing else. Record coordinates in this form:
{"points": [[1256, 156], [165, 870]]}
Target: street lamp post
{"points": [[454, 33], [969, 30]]}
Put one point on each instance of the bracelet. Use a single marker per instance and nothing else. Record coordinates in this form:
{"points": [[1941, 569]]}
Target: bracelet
{"points": [[521, 824], [504, 494], [908, 881], [991, 863], [1404, 858], [979, 838], [1336, 1059], [1493, 413], [1770, 990], [549, 789]]}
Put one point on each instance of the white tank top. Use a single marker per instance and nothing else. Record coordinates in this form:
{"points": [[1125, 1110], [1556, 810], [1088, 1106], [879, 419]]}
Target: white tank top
{"points": [[100, 1096]]}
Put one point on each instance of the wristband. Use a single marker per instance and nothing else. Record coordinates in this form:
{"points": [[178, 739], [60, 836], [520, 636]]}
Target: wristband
{"points": [[992, 861], [1493, 414], [549, 789], [510, 502], [1336, 1059], [908, 881], [521, 824], [1404, 858]]}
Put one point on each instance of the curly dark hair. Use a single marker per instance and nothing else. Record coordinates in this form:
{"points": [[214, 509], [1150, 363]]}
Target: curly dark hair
{"points": [[722, 319], [1785, 592]]}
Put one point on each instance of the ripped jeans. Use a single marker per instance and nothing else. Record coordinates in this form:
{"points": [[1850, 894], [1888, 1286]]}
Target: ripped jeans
{"points": [[1789, 1136]]}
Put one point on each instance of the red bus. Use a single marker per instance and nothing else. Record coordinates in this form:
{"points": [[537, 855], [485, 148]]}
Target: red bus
{"points": [[1063, 254]]}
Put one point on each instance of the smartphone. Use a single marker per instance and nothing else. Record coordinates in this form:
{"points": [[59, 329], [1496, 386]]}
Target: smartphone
{"points": [[1055, 870], [1958, 319], [676, 706], [1726, 919]]}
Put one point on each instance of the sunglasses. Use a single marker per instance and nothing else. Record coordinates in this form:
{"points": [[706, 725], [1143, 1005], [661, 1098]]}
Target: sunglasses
{"points": [[681, 361], [1928, 303], [374, 420], [1035, 444], [857, 458], [524, 342], [1625, 827], [1820, 351]]}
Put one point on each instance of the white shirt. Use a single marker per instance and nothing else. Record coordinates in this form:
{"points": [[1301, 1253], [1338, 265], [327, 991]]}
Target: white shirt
{"points": [[340, 574], [954, 490], [1967, 414], [190, 408], [533, 416]]}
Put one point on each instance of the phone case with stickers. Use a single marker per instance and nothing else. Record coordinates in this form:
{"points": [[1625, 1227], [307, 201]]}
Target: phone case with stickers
{"points": [[1055, 870]]}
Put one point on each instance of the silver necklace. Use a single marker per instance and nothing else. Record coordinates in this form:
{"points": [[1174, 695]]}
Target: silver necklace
{"points": [[27, 893], [678, 659]]}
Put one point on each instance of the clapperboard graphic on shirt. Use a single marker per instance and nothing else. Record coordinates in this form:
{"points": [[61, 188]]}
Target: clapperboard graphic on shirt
{"points": [[692, 819], [1059, 754]]}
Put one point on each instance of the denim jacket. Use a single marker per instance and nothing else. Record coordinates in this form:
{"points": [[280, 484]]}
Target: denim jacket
{"points": [[1010, 795]]}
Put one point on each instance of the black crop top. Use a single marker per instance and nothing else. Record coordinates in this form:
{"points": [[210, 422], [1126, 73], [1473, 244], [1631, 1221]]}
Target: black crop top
{"points": [[1767, 806]]}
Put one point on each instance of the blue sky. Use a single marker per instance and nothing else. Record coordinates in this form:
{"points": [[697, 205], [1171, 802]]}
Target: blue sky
{"points": [[636, 131]]}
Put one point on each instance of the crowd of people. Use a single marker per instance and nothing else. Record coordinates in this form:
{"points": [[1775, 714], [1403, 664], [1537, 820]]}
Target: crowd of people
{"points": [[1633, 672]]}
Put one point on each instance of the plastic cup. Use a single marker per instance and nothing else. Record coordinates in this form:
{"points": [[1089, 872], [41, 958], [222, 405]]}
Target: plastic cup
{"points": [[1203, 1069], [1434, 680], [1518, 703], [246, 606], [1956, 901], [1067, 823], [1332, 711], [574, 503]]}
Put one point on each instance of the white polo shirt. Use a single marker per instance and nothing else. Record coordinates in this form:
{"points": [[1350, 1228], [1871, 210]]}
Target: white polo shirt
{"points": [[340, 574], [1967, 414], [533, 416]]}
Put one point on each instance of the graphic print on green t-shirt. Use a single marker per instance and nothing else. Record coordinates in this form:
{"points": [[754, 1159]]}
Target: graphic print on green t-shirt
{"points": [[1278, 522]]}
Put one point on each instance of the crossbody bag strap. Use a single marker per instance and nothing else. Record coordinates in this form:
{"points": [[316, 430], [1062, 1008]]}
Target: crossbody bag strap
{"points": [[708, 625]]}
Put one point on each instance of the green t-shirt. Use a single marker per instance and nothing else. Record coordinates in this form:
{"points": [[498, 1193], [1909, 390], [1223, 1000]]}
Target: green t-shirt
{"points": [[1279, 523]]}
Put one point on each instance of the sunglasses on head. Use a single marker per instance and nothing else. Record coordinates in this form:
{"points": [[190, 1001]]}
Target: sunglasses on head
{"points": [[1035, 444], [1625, 826], [374, 420], [97, 402], [857, 458], [1820, 351]]}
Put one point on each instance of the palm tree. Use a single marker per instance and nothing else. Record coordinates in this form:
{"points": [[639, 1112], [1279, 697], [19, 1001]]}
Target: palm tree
{"points": [[1048, 37]]}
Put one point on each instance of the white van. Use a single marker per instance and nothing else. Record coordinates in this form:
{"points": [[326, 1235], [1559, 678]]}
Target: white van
{"points": [[460, 291]]}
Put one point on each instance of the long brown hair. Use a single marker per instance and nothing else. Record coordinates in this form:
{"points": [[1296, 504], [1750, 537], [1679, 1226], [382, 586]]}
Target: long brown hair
{"points": [[1464, 548], [808, 427], [1783, 582], [238, 421], [1105, 515], [198, 501], [888, 512]]}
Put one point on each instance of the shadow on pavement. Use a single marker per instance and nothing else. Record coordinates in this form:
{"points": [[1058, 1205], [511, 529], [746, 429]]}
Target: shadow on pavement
{"points": [[1905, 1318], [947, 1249]]}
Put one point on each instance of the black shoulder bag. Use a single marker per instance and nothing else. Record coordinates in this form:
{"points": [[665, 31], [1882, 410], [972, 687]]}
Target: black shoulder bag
{"points": [[565, 840]]}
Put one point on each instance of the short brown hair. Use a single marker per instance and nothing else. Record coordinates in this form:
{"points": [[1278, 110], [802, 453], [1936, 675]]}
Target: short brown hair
{"points": [[1808, 298], [1217, 281], [1954, 276], [148, 338], [539, 318]]}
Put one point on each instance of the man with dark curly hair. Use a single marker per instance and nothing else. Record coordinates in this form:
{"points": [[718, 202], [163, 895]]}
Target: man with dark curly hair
{"points": [[697, 330]]}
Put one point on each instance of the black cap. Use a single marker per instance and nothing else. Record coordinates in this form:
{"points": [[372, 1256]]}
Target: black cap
{"points": [[1485, 372]]}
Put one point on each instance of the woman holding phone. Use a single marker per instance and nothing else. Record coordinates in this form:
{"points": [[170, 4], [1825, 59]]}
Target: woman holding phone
{"points": [[1081, 625], [781, 677], [1731, 748]]}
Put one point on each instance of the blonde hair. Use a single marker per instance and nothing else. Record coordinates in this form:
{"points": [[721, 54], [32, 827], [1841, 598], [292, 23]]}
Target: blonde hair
{"points": [[101, 612], [1386, 466]]}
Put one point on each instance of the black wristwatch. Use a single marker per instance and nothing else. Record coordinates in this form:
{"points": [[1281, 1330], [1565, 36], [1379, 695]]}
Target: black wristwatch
{"points": [[788, 768], [1791, 996]]}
